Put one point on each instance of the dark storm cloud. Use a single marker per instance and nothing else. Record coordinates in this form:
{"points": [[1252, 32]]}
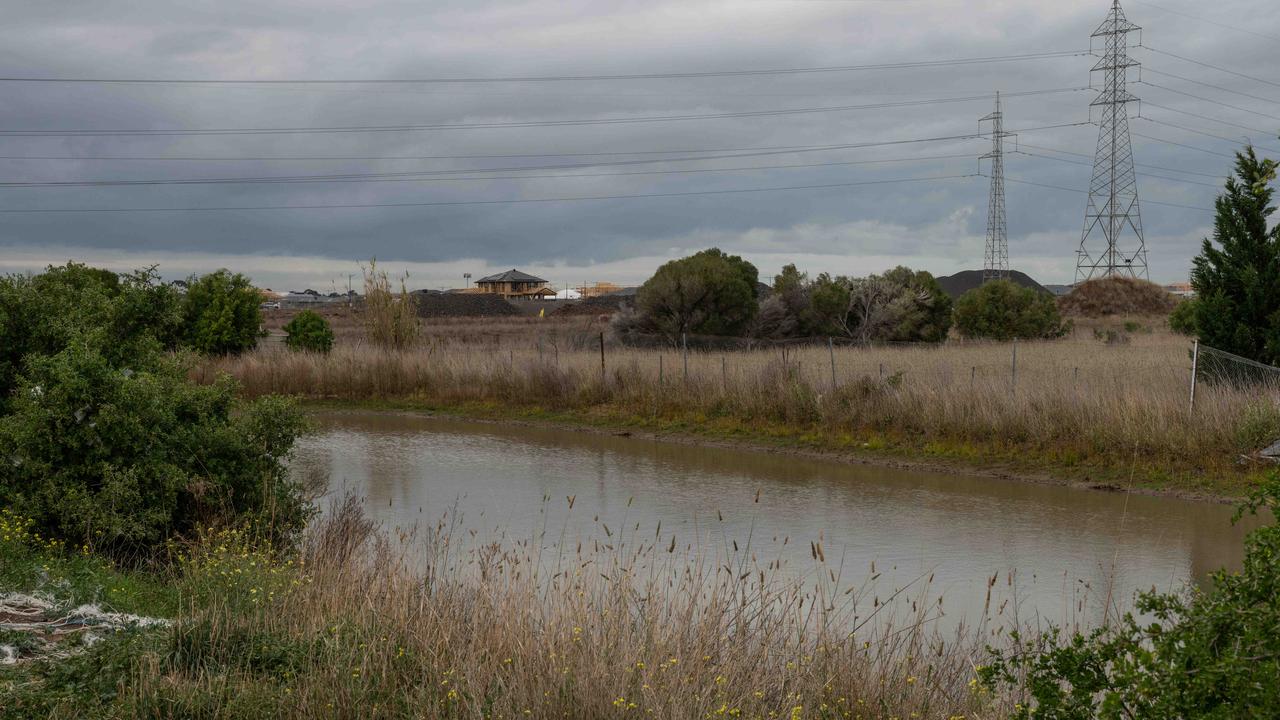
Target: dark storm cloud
{"points": [[934, 225]]}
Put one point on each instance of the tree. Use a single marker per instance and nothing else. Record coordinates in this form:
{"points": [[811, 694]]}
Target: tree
{"points": [[1237, 274], [786, 312], [709, 293], [1004, 310], [222, 313], [308, 331], [902, 305]]}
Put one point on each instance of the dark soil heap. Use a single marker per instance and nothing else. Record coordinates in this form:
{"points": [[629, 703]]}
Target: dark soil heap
{"points": [[1117, 296], [441, 305]]}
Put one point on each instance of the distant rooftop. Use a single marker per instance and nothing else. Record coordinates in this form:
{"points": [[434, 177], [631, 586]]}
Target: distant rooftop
{"points": [[511, 275]]}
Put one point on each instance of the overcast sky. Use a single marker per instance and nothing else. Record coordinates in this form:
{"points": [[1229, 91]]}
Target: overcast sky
{"points": [[862, 225]]}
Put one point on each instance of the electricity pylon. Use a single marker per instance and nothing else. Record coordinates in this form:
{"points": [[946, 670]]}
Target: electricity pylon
{"points": [[1113, 209], [995, 265]]}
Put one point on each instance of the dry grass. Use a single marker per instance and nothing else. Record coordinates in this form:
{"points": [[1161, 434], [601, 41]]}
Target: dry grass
{"points": [[1102, 405], [624, 624]]}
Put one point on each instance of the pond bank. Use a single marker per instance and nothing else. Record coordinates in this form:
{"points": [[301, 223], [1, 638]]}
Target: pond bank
{"points": [[1005, 462]]}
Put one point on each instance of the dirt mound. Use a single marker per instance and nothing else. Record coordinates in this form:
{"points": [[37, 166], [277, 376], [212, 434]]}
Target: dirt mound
{"points": [[440, 305], [1117, 296], [964, 281], [602, 305]]}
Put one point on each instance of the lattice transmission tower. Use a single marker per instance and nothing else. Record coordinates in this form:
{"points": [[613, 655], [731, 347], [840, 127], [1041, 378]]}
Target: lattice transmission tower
{"points": [[1112, 242], [995, 265]]}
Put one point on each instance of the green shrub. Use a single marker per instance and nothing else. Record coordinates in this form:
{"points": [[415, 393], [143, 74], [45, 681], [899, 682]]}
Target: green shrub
{"points": [[1183, 318], [103, 439], [308, 331], [1206, 654], [708, 293], [222, 313], [123, 315], [1003, 310]]}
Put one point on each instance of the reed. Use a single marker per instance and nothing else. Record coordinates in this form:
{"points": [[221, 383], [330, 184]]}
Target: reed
{"points": [[1080, 402], [623, 624]]}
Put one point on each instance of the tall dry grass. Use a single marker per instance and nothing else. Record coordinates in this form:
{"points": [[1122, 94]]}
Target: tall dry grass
{"points": [[1075, 401], [624, 624]]}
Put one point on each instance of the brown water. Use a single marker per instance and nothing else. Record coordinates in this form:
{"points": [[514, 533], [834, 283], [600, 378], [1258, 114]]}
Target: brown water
{"points": [[1064, 549]]}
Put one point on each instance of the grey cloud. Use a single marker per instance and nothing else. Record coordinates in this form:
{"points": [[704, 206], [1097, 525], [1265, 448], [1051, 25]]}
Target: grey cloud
{"points": [[936, 223]]}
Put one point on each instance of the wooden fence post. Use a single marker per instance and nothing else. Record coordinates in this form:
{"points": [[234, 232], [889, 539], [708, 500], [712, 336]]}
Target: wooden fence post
{"points": [[831, 351]]}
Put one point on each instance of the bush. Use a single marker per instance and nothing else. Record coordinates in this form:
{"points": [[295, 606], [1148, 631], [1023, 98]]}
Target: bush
{"points": [[1207, 654], [122, 315], [103, 439], [1183, 318], [222, 313], [308, 331], [709, 293], [1002, 310]]}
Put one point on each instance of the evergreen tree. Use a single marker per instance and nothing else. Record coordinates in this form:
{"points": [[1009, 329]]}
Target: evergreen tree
{"points": [[1237, 275]]}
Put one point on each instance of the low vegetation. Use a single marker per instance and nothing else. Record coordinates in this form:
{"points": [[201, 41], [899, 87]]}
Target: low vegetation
{"points": [[624, 624]]}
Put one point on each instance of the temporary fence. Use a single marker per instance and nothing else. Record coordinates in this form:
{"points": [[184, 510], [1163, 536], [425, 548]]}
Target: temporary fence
{"points": [[1218, 368]]}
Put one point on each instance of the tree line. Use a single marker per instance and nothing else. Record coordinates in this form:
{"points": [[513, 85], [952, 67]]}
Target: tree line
{"points": [[714, 293]]}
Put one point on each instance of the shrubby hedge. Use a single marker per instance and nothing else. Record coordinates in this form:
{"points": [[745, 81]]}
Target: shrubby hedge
{"points": [[103, 439]]}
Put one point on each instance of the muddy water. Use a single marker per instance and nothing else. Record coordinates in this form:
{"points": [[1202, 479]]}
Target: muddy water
{"points": [[1057, 552]]}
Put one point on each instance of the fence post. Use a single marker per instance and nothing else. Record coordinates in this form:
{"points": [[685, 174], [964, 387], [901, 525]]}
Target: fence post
{"points": [[602, 375], [973, 377], [724, 374], [1195, 363], [659, 370], [1013, 377], [831, 350], [684, 345], [881, 371]]}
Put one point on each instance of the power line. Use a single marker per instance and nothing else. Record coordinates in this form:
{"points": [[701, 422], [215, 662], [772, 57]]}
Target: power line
{"points": [[1210, 100], [1143, 174], [1085, 192], [1178, 144], [1141, 165], [1148, 69], [421, 177], [1203, 20], [336, 206], [558, 78], [748, 152], [517, 124], [1211, 67], [1233, 141]]}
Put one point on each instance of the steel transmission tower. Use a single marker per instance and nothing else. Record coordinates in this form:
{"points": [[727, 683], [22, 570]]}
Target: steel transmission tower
{"points": [[995, 264], [1113, 210]]}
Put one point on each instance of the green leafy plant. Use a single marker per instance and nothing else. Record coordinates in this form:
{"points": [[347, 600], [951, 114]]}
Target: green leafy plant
{"points": [[1202, 654], [391, 318], [310, 332], [104, 441], [1183, 318], [222, 314], [1004, 310]]}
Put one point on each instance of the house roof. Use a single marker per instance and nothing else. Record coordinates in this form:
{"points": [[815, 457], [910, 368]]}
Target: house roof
{"points": [[511, 275]]}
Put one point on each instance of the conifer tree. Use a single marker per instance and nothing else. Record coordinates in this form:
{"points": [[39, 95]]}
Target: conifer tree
{"points": [[1237, 274]]}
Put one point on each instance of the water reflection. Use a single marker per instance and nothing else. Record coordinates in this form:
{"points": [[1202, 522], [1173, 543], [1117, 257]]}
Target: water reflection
{"points": [[1059, 543]]}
